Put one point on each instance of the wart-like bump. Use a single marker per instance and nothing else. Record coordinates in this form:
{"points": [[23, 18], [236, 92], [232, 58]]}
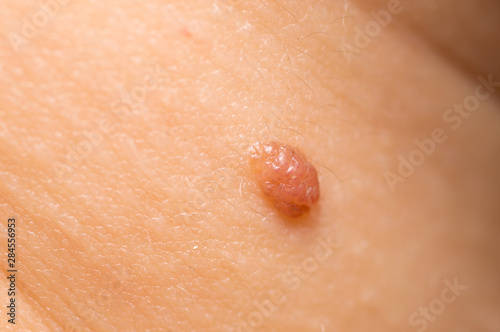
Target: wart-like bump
{"points": [[285, 176]]}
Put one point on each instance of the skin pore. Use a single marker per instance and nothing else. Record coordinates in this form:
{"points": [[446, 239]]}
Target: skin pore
{"points": [[125, 137]]}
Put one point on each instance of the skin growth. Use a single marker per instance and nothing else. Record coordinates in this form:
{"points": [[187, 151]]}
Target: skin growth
{"points": [[285, 176]]}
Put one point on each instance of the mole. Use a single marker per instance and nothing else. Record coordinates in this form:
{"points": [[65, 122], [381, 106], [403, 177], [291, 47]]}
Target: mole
{"points": [[285, 176]]}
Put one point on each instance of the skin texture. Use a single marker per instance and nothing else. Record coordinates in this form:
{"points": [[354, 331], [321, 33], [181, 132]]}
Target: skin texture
{"points": [[124, 144]]}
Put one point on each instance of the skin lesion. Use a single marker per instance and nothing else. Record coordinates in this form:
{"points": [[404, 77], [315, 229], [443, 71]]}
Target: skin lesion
{"points": [[285, 176]]}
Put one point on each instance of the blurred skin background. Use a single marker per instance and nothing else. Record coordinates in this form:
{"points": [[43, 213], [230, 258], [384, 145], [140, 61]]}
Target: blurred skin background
{"points": [[124, 138]]}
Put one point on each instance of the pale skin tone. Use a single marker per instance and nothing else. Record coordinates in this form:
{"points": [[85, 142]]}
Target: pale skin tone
{"points": [[124, 145]]}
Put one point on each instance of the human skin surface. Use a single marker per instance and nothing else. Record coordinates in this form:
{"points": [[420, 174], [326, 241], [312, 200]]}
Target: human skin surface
{"points": [[124, 144]]}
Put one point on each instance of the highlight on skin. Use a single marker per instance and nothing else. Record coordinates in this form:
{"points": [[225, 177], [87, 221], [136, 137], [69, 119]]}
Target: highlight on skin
{"points": [[285, 176]]}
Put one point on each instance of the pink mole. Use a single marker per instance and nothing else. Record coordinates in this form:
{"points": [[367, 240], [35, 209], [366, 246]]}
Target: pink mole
{"points": [[286, 176]]}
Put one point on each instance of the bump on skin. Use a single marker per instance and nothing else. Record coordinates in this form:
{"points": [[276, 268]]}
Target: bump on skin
{"points": [[285, 176]]}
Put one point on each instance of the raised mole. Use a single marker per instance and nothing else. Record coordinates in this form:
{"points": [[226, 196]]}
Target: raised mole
{"points": [[285, 176]]}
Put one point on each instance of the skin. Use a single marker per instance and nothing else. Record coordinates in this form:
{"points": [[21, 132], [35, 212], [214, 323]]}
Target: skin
{"points": [[124, 158]]}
